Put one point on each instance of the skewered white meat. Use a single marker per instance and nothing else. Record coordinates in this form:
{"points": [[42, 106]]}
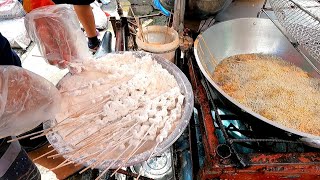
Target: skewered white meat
{"points": [[122, 105]]}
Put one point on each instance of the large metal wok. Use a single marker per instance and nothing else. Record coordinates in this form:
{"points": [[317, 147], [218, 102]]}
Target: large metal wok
{"points": [[249, 35]]}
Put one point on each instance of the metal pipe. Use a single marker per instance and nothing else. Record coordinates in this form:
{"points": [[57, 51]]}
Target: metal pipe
{"points": [[176, 15], [182, 12]]}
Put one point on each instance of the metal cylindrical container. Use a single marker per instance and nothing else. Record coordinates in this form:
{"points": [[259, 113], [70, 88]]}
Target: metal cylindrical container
{"points": [[198, 9], [203, 8]]}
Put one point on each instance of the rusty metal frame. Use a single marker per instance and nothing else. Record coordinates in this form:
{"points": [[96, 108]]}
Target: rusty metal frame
{"points": [[207, 128]]}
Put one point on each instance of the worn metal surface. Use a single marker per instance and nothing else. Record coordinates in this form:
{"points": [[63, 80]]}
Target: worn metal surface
{"points": [[241, 9], [204, 8], [183, 162], [158, 167], [206, 126], [243, 36]]}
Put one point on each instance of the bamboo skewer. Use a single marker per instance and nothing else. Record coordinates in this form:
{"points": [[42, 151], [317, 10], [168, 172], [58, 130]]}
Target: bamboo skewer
{"points": [[64, 163], [101, 159], [126, 160], [102, 156], [47, 131], [38, 132], [97, 138], [86, 158], [106, 170], [83, 148], [108, 147], [139, 145], [108, 125], [77, 112], [86, 123], [44, 132], [134, 151], [43, 155], [123, 134], [41, 135], [96, 105], [25, 136], [76, 129], [102, 136], [55, 155], [87, 146]]}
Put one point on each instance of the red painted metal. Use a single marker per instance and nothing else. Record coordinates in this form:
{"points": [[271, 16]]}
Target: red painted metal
{"points": [[263, 166], [207, 128]]}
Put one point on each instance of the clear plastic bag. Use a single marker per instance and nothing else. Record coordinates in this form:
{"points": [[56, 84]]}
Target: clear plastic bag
{"points": [[57, 32], [26, 100], [15, 32], [100, 18], [10, 9]]}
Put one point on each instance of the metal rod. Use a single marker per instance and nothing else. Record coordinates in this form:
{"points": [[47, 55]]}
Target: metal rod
{"points": [[145, 16], [264, 140], [222, 128], [306, 11], [176, 15], [263, 8]]}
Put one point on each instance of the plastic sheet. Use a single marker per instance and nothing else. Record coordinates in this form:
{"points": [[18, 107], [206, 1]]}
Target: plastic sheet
{"points": [[158, 5], [26, 100], [15, 32], [10, 9], [56, 30], [100, 17]]}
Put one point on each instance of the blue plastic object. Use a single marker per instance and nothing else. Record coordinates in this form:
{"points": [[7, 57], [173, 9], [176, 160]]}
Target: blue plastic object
{"points": [[158, 5]]}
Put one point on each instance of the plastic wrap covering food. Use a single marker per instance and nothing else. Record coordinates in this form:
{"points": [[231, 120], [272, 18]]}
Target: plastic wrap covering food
{"points": [[26, 100], [57, 32], [10, 9]]}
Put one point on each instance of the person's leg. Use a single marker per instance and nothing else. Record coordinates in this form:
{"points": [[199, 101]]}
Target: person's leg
{"points": [[85, 16]]}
